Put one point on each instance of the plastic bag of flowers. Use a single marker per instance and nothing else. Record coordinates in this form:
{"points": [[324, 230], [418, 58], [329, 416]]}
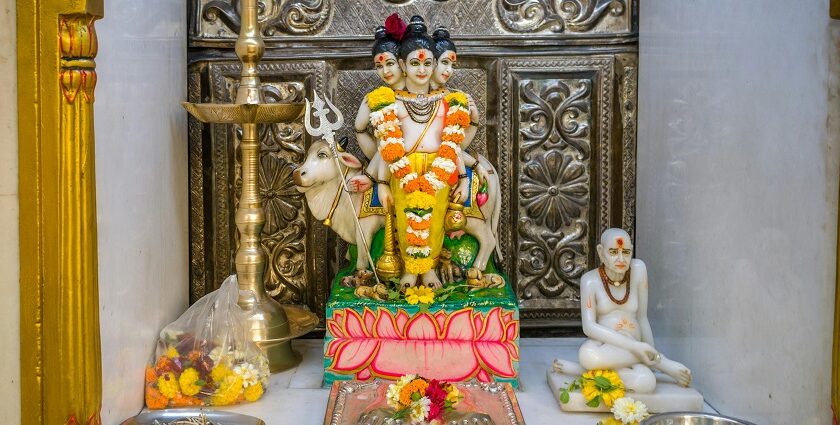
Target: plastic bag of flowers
{"points": [[205, 358]]}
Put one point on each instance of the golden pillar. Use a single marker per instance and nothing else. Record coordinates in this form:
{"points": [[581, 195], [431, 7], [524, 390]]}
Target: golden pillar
{"points": [[60, 353]]}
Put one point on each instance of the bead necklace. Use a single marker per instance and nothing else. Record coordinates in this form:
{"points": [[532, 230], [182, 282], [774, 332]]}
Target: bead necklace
{"points": [[420, 99], [420, 114], [607, 281]]}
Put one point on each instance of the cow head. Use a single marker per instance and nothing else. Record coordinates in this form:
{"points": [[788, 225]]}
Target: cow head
{"points": [[319, 166]]}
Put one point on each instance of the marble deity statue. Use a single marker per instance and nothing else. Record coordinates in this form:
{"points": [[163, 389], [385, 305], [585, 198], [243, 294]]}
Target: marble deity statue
{"points": [[420, 131], [614, 302], [386, 48], [423, 160]]}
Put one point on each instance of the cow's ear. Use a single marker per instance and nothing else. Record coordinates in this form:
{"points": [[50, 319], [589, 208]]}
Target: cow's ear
{"points": [[349, 160]]}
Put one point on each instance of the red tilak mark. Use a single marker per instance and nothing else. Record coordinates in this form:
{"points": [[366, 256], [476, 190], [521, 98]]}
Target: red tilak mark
{"points": [[380, 58], [452, 57], [620, 242], [421, 55]]}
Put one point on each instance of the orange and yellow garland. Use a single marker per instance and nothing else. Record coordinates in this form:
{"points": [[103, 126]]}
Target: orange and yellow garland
{"points": [[420, 189]]}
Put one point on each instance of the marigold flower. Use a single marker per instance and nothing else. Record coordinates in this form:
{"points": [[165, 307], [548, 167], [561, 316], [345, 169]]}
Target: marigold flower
{"points": [[380, 98], [254, 392], [185, 400], [229, 390], [392, 152], [441, 174], [425, 186], [415, 240], [172, 352], [401, 172], [421, 225], [453, 394], [154, 399], [168, 385], [151, 376], [189, 382], [220, 372], [416, 386], [415, 265], [447, 152], [459, 118], [602, 383], [457, 98], [420, 200], [165, 364]]}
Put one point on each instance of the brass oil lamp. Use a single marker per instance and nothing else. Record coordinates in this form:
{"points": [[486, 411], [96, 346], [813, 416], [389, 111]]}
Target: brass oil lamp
{"points": [[272, 325]]}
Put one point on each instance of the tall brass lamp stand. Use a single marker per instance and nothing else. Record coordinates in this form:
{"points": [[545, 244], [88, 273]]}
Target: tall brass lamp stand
{"points": [[272, 325]]}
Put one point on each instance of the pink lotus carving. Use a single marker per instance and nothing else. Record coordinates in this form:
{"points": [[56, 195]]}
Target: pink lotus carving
{"points": [[450, 347]]}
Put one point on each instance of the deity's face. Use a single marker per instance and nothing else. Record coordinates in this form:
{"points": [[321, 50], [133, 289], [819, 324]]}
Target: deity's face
{"points": [[444, 68], [615, 250], [418, 66], [388, 68]]}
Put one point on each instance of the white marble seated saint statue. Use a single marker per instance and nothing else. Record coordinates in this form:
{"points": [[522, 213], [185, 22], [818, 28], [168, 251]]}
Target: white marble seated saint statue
{"points": [[614, 301]]}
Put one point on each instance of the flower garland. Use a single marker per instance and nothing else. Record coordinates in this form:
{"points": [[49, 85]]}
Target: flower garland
{"points": [[422, 400], [420, 189]]}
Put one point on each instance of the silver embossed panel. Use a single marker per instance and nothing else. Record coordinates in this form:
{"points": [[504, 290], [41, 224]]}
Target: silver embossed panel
{"points": [[219, 19]]}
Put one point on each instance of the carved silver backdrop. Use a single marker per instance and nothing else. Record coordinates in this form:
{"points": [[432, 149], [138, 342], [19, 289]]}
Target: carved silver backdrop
{"points": [[554, 80]]}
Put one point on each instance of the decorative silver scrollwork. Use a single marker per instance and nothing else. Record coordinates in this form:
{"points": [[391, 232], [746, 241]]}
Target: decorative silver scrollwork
{"points": [[297, 17], [556, 15]]}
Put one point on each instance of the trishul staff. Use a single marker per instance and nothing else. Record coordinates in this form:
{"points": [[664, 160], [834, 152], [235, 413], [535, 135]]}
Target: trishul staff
{"points": [[326, 130]]}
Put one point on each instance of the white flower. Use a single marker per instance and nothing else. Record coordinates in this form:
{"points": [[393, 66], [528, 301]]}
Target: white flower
{"points": [[418, 218], [248, 373], [405, 379], [456, 108], [396, 165], [434, 181], [628, 410], [393, 395], [220, 355], [422, 234], [445, 164], [409, 177], [414, 250], [452, 129], [420, 409], [452, 145]]}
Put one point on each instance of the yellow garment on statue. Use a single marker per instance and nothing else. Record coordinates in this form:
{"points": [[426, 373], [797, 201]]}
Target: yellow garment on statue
{"points": [[420, 163]]}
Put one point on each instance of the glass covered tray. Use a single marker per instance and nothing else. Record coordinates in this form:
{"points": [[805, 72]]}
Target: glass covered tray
{"points": [[483, 403]]}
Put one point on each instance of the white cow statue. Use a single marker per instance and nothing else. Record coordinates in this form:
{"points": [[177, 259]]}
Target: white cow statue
{"points": [[318, 179]]}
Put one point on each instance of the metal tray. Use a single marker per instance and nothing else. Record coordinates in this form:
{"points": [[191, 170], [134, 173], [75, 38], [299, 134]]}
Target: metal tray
{"points": [[349, 400], [192, 417]]}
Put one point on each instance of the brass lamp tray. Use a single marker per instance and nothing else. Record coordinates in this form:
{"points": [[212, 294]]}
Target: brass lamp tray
{"points": [[301, 322], [192, 417], [349, 400], [229, 113]]}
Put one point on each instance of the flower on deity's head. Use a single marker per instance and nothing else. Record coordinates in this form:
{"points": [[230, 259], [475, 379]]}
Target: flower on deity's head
{"points": [[395, 27]]}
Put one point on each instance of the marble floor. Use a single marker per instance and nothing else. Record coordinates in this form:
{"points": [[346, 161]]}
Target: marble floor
{"points": [[295, 397]]}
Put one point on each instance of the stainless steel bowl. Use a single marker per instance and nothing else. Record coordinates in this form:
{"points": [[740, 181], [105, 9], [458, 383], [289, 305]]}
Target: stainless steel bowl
{"points": [[692, 418], [192, 416]]}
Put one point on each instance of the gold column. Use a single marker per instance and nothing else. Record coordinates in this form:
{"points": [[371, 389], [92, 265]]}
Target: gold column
{"points": [[60, 353]]}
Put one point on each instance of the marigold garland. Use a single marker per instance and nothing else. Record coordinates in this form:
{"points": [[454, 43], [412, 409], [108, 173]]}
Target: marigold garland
{"points": [[420, 189]]}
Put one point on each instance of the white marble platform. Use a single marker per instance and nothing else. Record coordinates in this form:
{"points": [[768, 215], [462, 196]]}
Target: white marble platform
{"points": [[668, 396], [296, 397]]}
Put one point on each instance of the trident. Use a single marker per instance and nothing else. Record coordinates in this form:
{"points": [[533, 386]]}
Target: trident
{"points": [[326, 130]]}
